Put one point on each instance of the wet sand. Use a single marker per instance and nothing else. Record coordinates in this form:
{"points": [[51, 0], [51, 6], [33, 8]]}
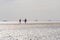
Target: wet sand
{"points": [[29, 32]]}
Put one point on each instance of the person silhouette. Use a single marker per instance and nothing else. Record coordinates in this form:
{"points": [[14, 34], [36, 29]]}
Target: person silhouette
{"points": [[20, 20], [25, 20]]}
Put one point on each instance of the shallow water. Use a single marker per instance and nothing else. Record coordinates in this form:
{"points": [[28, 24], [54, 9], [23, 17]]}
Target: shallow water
{"points": [[29, 32]]}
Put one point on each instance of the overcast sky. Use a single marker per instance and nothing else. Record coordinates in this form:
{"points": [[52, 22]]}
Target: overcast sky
{"points": [[30, 9]]}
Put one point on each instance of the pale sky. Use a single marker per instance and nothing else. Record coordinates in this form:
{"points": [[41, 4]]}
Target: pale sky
{"points": [[30, 9]]}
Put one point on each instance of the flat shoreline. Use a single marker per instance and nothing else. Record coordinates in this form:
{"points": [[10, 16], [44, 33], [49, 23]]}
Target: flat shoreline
{"points": [[31, 23]]}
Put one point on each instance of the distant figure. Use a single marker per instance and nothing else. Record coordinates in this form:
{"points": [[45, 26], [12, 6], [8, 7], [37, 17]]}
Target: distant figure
{"points": [[20, 20], [5, 20], [36, 20], [25, 21], [49, 20]]}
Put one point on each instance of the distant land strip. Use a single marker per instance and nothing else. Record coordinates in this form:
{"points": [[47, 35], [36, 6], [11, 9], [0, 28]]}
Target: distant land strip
{"points": [[29, 23]]}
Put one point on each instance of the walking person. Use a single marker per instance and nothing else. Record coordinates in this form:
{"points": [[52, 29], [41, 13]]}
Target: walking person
{"points": [[25, 21], [19, 20]]}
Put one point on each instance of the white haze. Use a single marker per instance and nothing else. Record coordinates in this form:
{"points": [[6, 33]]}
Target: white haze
{"points": [[30, 9]]}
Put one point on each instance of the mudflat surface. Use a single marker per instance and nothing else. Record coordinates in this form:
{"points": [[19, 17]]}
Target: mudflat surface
{"points": [[29, 32]]}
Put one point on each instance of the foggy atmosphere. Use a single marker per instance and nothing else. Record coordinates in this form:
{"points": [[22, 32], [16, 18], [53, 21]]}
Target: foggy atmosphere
{"points": [[29, 19]]}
